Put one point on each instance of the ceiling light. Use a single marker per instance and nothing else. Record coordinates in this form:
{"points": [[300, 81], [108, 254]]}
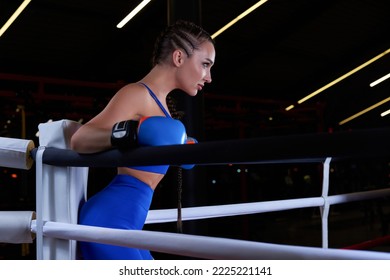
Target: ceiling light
{"points": [[385, 113], [244, 14], [14, 16], [380, 80], [344, 76], [289, 107], [364, 111], [133, 13]]}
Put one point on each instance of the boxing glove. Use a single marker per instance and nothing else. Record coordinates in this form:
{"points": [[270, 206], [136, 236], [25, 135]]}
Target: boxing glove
{"points": [[124, 134], [149, 131], [161, 131], [189, 140]]}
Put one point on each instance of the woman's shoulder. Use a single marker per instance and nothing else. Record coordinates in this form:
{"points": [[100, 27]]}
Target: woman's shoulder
{"points": [[131, 92], [132, 88]]}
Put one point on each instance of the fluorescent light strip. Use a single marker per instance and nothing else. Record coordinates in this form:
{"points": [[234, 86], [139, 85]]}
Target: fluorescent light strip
{"points": [[343, 76], [364, 111], [380, 80], [289, 107], [244, 14], [133, 13], [14, 16], [385, 113]]}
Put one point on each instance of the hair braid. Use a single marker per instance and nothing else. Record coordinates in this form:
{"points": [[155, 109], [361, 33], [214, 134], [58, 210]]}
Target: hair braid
{"points": [[171, 103]]}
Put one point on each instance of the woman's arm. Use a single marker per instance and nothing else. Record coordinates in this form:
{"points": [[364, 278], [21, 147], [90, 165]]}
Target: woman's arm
{"points": [[95, 135], [90, 139]]}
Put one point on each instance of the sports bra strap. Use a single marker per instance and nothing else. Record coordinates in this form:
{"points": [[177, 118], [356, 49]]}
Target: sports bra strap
{"points": [[157, 101]]}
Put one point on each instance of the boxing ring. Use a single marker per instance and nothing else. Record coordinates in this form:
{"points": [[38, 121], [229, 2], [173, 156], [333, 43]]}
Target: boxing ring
{"points": [[61, 181]]}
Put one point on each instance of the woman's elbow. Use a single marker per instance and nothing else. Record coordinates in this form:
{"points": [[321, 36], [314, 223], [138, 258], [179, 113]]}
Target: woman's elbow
{"points": [[78, 142], [74, 142]]}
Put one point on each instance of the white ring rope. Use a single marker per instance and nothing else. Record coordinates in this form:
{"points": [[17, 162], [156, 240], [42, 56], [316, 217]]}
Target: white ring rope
{"points": [[217, 211], [227, 210], [199, 246]]}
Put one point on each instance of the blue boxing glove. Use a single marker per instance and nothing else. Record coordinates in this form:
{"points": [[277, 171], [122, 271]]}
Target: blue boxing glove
{"points": [[149, 131], [161, 131], [189, 140]]}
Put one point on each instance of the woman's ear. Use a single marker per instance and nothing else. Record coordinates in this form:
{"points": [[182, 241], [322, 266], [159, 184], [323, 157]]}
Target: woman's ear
{"points": [[178, 58]]}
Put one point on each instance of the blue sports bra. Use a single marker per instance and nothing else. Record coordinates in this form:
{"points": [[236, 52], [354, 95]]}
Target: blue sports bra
{"points": [[160, 169]]}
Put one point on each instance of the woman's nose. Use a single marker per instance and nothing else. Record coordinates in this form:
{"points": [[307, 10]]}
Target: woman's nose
{"points": [[208, 78]]}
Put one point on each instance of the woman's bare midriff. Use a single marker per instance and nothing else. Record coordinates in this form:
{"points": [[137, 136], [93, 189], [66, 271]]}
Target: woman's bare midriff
{"points": [[149, 178]]}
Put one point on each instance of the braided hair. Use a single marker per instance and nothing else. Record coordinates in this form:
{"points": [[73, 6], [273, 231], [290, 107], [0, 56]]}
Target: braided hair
{"points": [[183, 35], [177, 115], [188, 37]]}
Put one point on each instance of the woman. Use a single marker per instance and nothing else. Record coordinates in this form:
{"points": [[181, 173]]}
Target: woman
{"points": [[183, 56]]}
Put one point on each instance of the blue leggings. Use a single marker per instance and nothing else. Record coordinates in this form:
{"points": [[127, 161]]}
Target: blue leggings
{"points": [[123, 204]]}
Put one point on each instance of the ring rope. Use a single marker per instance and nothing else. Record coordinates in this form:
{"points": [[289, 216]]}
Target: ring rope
{"points": [[217, 211], [199, 246], [282, 149]]}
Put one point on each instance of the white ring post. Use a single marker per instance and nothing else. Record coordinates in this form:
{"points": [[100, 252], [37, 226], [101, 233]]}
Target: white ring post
{"points": [[325, 209], [60, 190]]}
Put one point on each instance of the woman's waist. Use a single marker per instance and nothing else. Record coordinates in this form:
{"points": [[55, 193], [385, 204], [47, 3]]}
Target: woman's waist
{"points": [[149, 178]]}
